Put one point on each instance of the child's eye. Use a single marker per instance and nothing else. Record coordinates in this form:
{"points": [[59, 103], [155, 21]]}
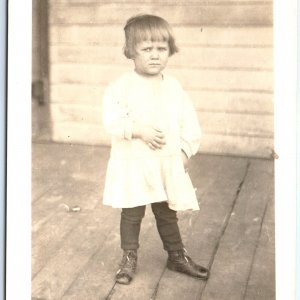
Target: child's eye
{"points": [[147, 49], [162, 49]]}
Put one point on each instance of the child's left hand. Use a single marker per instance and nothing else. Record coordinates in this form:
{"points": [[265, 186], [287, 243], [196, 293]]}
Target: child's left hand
{"points": [[185, 160]]}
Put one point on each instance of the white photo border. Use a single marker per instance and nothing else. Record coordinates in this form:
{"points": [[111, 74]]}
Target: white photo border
{"points": [[18, 247]]}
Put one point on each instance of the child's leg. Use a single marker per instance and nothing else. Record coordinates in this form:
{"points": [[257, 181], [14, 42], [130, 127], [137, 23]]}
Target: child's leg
{"points": [[131, 219], [167, 225]]}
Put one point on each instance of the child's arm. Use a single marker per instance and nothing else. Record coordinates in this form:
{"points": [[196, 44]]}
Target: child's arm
{"points": [[190, 129], [118, 121], [115, 114]]}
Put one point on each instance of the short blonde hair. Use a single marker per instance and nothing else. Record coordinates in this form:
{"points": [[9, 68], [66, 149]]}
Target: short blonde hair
{"points": [[147, 27]]}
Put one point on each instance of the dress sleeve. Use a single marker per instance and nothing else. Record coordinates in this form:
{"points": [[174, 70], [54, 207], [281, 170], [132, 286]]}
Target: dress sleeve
{"points": [[116, 115], [190, 128]]}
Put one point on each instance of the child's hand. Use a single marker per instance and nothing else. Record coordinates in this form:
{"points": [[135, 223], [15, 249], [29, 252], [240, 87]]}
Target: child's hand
{"points": [[185, 160], [153, 137]]}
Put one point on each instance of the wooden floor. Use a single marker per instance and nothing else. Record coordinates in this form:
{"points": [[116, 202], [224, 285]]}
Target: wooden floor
{"points": [[76, 254]]}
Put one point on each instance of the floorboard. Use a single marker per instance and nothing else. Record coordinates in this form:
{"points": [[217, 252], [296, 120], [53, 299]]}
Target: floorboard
{"points": [[75, 255], [204, 234], [261, 284], [234, 258]]}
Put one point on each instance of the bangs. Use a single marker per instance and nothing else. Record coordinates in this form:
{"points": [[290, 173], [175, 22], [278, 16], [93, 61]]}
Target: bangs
{"points": [[150, 33]]}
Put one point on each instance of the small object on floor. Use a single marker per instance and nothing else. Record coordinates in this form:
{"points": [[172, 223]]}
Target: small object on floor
{"points": [[127, 267], [179, 261], [70, 209], [75, 209]]}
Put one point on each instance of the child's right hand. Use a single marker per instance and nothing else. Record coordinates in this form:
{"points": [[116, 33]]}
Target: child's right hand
{"points": [[153, 137]]}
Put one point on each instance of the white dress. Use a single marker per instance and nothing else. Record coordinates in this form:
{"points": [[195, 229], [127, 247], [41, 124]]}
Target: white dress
{"points": [[137, 175]]}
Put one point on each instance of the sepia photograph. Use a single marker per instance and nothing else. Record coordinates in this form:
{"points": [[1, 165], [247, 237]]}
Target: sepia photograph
{"points": [[152, 150]]}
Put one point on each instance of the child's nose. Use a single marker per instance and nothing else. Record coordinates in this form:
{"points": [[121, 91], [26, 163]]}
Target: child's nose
{"points": [[154, 53]]}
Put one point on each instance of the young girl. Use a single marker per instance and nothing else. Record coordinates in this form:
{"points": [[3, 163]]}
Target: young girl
{"points": [[154, 130]]}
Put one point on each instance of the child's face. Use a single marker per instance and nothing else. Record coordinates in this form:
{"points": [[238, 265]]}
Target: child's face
{"points": [[151, 57]]}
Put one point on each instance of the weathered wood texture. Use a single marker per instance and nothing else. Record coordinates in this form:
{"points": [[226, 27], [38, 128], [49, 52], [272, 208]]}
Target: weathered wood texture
{"points": [[75, 255], [225, 63], [198, 13], [234, 259]]}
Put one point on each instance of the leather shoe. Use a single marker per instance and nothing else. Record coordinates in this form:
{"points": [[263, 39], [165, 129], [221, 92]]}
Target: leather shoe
{"points": [[179, 261], [127, 267]]}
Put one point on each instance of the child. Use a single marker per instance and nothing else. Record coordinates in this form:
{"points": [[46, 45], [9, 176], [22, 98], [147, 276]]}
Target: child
{"points": [[154, 131]]}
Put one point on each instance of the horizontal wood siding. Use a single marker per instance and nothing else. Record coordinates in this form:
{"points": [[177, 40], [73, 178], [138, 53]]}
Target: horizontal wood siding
{"points": [[225, 63], [224, 123], [188, 57], [224, 79], [215, 37], [197, 13], [207, 100]]}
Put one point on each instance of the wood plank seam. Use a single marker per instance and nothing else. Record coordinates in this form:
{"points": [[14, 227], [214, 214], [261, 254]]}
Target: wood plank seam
{"points": [[119, 45], [226, 222], [181, 3], [50, 216], [244, 134], [256, 247], [42, 267], [190, 89], [44, 221], [173, 66], [182, 45], [218, 25], [235, 112], [200, 45], [236, 26], [79, 220], [153, 296], [111, 292], [84, 266], [269, 135], [43, 194], [258, 91]]}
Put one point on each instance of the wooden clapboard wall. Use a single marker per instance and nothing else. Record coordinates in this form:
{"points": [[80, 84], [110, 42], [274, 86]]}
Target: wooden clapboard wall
{"points": [[225, 63]]}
